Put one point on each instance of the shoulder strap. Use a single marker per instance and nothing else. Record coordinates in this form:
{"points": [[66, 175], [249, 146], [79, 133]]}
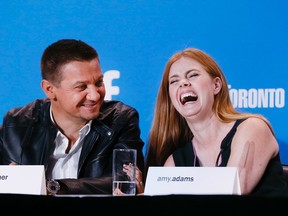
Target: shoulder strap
{"points": [[227, 140]]}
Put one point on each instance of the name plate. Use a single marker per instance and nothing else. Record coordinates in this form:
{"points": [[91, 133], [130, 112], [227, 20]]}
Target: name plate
{"points": [[22, 179], [192, 180]]}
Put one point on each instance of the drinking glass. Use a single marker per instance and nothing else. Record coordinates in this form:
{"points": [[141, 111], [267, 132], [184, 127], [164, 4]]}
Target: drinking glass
{"points": [[124, 170]]}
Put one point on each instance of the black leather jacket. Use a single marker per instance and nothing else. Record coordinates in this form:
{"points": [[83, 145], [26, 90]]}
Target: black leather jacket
{"points": [[27, 138]]}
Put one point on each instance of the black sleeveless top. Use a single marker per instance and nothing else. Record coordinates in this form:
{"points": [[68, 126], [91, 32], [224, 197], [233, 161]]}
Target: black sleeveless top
{"points": [[272, 182]]}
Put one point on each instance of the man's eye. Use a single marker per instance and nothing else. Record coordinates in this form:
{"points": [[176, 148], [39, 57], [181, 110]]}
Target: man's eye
{"points": [[81, 87], [99, 83]]}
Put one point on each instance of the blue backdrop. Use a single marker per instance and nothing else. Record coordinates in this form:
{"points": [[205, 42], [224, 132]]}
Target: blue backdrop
{"points": [[135, 39]]}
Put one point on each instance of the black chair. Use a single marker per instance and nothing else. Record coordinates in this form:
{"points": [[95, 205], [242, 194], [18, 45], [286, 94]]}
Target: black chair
{"points": [[285, 170]]}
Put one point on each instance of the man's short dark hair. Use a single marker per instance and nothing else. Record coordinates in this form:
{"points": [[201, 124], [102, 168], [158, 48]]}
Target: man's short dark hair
{"points": [[62, 52]]}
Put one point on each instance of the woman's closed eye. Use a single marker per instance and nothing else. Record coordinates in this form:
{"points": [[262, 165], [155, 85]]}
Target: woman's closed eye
{"points": [[172, 81], [192, 75]]}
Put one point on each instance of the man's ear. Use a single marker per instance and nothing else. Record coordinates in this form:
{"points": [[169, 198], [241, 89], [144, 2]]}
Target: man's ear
{"points": [[218, 85], [48, 89]]}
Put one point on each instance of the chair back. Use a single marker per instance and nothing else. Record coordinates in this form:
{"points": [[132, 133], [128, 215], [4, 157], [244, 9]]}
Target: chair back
{"points": [[285, 172]]}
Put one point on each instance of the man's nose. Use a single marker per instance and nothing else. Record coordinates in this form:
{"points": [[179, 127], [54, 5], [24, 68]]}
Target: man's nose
{"points": [[93, 93]]}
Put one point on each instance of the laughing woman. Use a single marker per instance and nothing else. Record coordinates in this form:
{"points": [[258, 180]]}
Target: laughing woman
{"points": [[195, 124]]}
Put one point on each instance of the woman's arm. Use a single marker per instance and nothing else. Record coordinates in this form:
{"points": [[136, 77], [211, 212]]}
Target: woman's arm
{"points": [[252, 148]]}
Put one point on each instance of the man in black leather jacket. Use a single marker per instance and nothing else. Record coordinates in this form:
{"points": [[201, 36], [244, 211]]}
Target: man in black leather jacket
{"points": [[74, 130]]}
